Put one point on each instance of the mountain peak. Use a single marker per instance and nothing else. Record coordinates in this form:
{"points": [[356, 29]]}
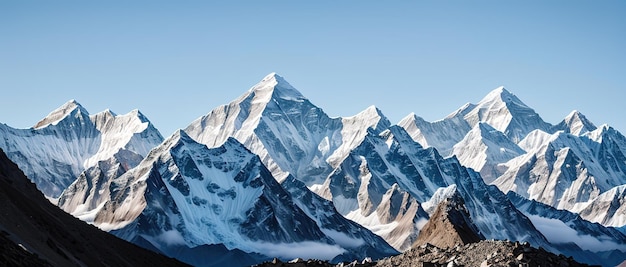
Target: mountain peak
{"points": [[137, 113], [276, 86], [576, 123], [109, 112], [371, 116], [450, 225], [372, 110], [60, 113], [506, 113], [180, 135], [501, 94], [575, 115]]}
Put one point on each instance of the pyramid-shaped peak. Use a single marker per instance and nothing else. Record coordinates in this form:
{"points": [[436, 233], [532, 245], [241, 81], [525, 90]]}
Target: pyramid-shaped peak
{"points": [[277, 86], [60, 113], [497, 93], [450, 225], [501, 94], [576, 115], [576, 123]]}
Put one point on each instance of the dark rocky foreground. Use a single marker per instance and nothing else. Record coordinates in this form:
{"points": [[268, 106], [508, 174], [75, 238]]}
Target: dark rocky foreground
{"points": [[481, 254], [34, 232], [484, 253]]}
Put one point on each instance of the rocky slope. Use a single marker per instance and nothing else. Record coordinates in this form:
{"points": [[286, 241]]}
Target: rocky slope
{"points": [[44, 232], [484, 253]]}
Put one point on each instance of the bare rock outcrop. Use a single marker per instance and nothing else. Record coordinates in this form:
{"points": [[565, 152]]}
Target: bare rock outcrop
{"points": [[449, 226]]}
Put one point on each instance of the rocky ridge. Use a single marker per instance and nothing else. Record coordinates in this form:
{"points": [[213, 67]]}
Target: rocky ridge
{"points": [[449, 226], [486, 253]]}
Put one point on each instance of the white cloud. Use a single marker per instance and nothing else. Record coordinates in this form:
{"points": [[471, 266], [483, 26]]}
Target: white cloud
{"points": [[305, 250], [171, 237], [343, 239], [558, 232]]}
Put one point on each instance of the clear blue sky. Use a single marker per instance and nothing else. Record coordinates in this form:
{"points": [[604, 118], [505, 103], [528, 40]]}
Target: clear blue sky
{"points": [[177, 60]]}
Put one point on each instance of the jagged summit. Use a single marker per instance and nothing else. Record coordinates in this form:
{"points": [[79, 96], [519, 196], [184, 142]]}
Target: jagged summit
{"points": [[371, 116], [60, 113], [179, 136], [461, 111], [575, 123], [109, 112], [139, 114]]}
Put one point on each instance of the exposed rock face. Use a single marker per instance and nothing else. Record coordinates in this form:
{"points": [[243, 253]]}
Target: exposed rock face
{"points": [[33, 223], [449, 226]]}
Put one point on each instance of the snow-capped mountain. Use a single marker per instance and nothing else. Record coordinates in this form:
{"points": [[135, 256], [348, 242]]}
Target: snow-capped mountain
{"points": [[500, 109], [183, 196], [609, 208], [276, 122], [505, 113], [484, 149], [567, 171], [575, 123], [68, 141], [441, 134], [567, 166], [392, 158]]}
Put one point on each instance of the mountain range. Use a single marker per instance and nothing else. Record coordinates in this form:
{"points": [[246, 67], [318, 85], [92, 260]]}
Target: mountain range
{"points": [[272, 175]]}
